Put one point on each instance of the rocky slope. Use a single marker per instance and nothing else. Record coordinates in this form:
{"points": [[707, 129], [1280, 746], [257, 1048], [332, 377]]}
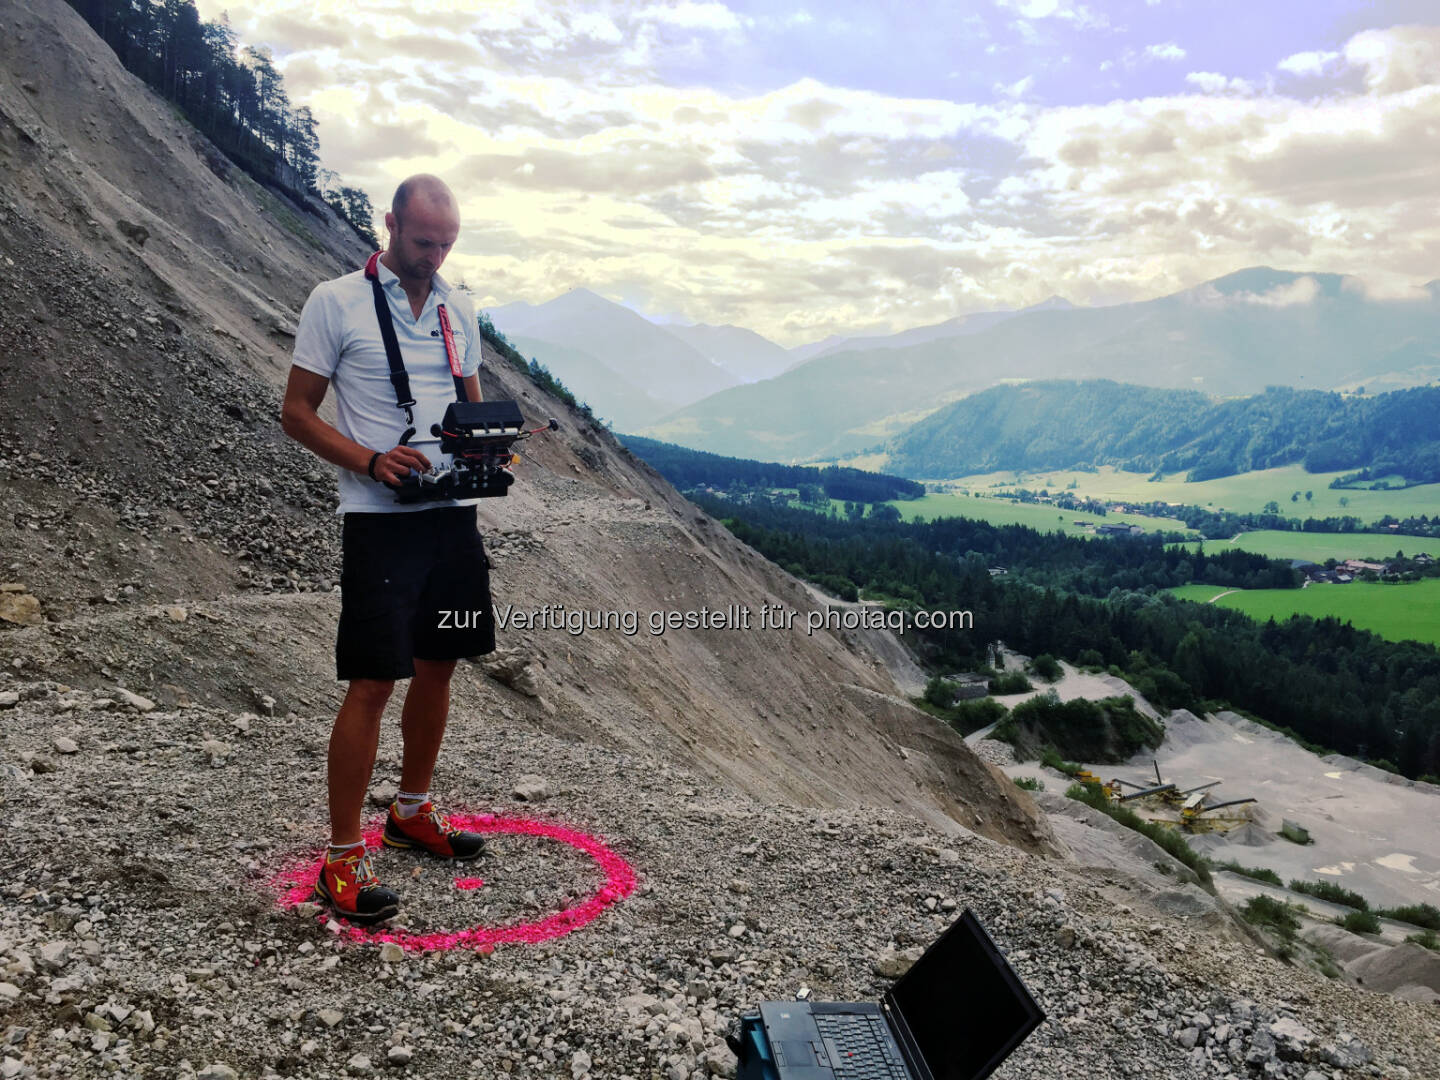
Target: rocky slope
{"points": [[148, 467], [140, 933], [113, 169]]}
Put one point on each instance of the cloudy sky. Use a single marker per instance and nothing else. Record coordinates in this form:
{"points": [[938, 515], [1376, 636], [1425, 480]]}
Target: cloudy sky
{"points": [[803, 168]]}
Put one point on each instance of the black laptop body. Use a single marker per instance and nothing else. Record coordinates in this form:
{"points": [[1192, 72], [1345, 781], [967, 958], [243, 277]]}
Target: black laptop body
{"points": [[955, 1015]]}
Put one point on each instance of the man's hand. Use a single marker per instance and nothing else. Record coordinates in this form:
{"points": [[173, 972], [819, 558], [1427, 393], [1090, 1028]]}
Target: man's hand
{"points": [[300, 418], [394, 465]]}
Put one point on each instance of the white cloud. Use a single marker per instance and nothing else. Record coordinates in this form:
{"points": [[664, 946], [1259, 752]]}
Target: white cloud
{"points": [[1017, 89], [1308, 63], [1303, 290], [575, 163], [930, 197], [1210, 82], [597, 25], [1168, 51], [1393, 60], [1385, 287], [1064, 10], [1032, 9], [1399, 59], [1130, 59], [694, 16]]}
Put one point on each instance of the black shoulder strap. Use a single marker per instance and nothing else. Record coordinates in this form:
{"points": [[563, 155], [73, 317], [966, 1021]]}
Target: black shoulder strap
{"points": [[398, 376]]}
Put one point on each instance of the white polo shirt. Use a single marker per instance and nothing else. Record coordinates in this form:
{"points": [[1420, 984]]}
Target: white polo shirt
{"points": [[339, 338]]}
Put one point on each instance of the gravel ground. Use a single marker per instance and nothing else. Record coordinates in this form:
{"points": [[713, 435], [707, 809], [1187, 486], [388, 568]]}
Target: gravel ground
{"points": [[142, 934], [1355, 816]]}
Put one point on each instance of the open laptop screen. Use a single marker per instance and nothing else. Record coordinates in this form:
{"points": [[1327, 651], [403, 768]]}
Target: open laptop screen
{"points": [[963, 1006]]}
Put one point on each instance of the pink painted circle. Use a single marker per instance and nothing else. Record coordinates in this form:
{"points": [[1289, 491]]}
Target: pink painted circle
{"points": [[296, 885]]}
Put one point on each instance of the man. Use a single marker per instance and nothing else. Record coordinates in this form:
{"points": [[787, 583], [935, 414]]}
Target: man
{"points": [[401, 564]]}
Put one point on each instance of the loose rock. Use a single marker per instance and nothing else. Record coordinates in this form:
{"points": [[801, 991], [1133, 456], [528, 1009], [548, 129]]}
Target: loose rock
{"points": [[531, 788]]}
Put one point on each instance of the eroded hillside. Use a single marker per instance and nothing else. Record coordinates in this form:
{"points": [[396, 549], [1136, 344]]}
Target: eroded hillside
{"points": [[147, 467]]}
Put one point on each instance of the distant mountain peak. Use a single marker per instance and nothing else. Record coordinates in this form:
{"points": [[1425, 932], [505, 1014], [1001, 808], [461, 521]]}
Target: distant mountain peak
{"points": [[812, 346], [1262, 279], [1053, 303], [580, 296]]}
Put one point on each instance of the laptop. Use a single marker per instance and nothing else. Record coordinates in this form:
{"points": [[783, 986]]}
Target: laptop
{"points": [[955, 1015]]}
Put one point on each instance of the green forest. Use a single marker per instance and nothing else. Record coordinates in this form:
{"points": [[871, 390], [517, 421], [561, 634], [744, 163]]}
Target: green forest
{"points": [[1066, 424], [689, 469], [1102, 605], [233, 95]]}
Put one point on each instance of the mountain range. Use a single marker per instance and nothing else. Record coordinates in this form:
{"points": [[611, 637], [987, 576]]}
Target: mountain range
{"points": [[919, 335], [635, 372], [1064, 424], [625, 366], [1232, 336]]}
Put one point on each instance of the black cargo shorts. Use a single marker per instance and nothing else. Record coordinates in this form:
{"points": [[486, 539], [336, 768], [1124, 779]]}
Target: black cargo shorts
{"points": [[412, 585]]}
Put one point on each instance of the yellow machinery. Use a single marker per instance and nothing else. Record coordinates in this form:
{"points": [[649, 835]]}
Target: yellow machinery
{"points": [[1196, 817], [1085, 776], [1193, 814]]}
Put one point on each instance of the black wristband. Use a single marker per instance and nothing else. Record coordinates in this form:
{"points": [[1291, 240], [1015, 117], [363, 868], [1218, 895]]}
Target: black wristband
{"points": [[371, 467]]}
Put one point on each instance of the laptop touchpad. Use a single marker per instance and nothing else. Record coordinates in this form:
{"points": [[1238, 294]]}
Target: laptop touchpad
{"points": [[797, 1053]]}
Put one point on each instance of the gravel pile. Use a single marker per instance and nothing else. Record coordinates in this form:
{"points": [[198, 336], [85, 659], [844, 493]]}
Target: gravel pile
{"points": [[157, 427], [994, 751], [141, 934]]}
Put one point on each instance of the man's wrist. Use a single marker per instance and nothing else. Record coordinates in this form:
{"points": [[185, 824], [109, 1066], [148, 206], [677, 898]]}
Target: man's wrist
{"points": [[371, 467]]}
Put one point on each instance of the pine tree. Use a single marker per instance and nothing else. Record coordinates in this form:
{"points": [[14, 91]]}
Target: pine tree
{"points": [[305, 148], [234, 96]]}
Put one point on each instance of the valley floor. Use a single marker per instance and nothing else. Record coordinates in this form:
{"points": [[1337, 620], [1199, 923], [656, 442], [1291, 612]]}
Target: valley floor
{"points": [[1401, 611], [1243, 493]]}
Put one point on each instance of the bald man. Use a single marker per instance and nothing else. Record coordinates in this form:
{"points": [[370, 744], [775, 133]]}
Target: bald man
{"points": [[402, 565]]}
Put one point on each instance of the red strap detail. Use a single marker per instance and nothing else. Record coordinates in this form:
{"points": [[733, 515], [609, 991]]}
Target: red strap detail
{"points": [[449, 337], [371, 266]]}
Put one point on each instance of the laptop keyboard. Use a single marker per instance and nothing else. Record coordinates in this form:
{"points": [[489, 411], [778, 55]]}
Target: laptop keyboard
{"points": [[864, 1047]]}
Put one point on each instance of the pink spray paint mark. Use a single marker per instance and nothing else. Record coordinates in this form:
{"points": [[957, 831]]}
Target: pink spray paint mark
{"points": [[468, 883], [296, 885]]}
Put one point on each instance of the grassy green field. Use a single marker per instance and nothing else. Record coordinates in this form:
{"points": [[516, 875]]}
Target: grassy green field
{"points": [[1009, 512], [1317, 547], [1396, 612], [1246, 493], [1200, 594]]}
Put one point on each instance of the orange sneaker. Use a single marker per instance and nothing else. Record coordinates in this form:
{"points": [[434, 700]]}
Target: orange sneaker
{"points": [[429, 831], [347, 882]]}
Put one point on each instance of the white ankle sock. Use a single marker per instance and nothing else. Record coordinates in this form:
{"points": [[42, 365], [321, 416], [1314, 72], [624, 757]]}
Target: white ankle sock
{"points": [[408, 803], [336, 850]]}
